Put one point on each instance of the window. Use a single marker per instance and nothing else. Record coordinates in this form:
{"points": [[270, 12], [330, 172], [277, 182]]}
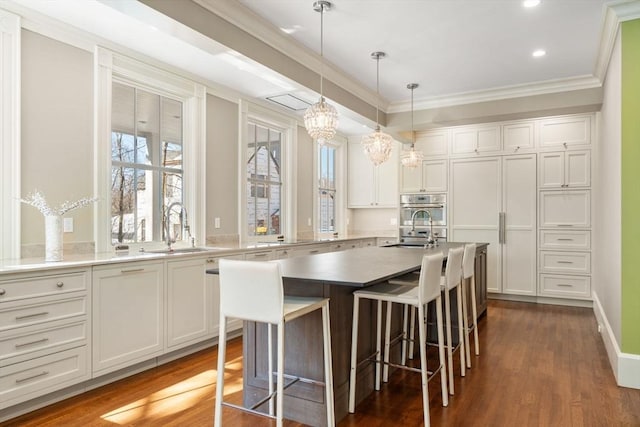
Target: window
{"points": [[264, 180], [149, 154], [146, 165], [326, 189]]}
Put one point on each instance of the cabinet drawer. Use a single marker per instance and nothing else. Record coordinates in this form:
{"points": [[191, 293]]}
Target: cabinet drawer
{"points": [[47, 311], [565, 239], [36, 377], [259, 256], [29, 287], [565, 286], [565, 262], [33, 339]]}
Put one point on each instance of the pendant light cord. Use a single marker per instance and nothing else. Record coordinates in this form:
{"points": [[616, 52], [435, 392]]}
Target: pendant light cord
{"points": [[413, 132], [321, 52], [377, 90]]}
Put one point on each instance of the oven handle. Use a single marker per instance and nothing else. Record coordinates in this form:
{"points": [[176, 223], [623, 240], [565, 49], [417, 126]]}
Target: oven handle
{"points": [[423, 206]]}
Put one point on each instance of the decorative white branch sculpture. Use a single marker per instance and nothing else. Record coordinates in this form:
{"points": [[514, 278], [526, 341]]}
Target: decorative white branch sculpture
{"points": [[53, 221]]}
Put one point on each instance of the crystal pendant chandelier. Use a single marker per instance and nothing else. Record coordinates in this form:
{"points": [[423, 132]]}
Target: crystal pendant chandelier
{"points": [[412, 158], [321, 119], [377, 145]]}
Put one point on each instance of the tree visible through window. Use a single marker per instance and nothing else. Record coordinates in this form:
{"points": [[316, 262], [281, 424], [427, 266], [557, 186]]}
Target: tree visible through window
{"points": [[326, 189], [146, 164], [264, 180]]}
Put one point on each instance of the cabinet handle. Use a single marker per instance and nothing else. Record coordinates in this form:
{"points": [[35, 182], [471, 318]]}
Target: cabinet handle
{"points": [[565, 285], [260, 255], [60, 284], [565, 262], [28, 316], [211, 261], [32, 342], [565, 240], [2, 292], [21, 380], [315, 251], [132, 270], [565, 225], [516, 149]]}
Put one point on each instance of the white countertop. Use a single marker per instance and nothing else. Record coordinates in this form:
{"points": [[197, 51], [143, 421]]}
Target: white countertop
{"points": [[9, 266]]}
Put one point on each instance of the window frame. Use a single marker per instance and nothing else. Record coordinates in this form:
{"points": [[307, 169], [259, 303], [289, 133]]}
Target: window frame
{"points": [[111, 66], [287, 126], [340, 227]]}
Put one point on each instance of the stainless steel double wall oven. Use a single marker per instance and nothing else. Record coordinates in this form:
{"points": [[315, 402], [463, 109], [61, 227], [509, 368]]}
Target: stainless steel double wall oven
{"points": [[419, 213]]}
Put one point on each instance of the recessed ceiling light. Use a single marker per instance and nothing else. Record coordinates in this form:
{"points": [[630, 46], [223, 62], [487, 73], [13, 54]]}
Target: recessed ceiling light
{"points": [[538, 53], [530, 3]]}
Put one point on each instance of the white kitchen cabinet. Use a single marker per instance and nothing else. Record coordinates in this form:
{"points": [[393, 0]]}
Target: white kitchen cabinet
{"points": [[303, 250], [259, 256], [566, 208], [189, 305], [475, 202], [433, 143], [44, 333], [564, 169], [493, 200], [562, 286], [565, 239], [431, 177], [567, 131], [518, 137], [565, 262], [476, 139], [372, 186], [128, 314]]}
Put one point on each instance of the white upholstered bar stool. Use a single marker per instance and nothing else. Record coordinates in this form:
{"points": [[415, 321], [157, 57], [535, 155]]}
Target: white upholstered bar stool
{"points": [[428, 290], [451, 280], [252, 291], [468, 276]]}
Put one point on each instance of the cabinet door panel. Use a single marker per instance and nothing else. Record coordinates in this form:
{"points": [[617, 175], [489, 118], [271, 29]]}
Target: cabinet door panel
{"points": [[551, 170], [569, 208], [464, 141], [188, 307], [128, 320], [359, 177], [475, 192], [494, 260], [578, 168], [559, 131], [435, 175], [518, 136], [386, 194], [411, 179], [489, 139], [433, 143]]}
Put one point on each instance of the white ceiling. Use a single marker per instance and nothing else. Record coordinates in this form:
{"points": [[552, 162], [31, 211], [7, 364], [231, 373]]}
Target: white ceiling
{"points": [[449, 47]]}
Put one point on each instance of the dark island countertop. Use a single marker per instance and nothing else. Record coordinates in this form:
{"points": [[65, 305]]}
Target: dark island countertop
{"points": [[358, 267]]}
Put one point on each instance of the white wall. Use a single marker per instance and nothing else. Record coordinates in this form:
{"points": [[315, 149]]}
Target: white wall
{"points": [[607, 186], [372, 222]]}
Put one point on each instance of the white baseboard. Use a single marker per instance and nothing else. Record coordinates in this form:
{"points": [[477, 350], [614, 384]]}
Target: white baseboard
{"points": [[625, 366]]}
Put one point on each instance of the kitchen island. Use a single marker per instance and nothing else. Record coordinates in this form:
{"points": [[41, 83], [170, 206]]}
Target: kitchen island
{"points": [[335, 276]]}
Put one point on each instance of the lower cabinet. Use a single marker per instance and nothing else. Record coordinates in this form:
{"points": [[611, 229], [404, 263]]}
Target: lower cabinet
{"points": [[213, 289], [189, 303], [128, 314]]}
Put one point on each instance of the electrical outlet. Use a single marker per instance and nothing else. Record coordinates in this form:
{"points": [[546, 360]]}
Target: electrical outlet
{"points": [[216, 222], [309, 222], [67, 225], [393, 221]]}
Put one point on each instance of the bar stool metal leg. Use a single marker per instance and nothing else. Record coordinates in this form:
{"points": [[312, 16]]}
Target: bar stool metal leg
{"points": [[328, 370], [423, 362], [354, 354], [461, 333], [222, 347]]}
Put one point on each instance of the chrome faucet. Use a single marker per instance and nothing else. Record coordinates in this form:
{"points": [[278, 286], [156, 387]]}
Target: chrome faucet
{"points": [[430, 240], [184, 224]]}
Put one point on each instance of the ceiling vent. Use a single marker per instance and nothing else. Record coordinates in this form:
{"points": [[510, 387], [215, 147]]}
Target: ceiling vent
{"points": [[289, 101]]}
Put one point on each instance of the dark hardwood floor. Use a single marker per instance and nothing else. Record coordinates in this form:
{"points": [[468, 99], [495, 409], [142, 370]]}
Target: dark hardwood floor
{"points": [[540, 365]]}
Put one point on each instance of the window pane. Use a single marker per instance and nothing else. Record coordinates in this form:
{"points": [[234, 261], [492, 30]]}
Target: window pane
{"points": [[326, 189], [146, 157], [264, 180]]}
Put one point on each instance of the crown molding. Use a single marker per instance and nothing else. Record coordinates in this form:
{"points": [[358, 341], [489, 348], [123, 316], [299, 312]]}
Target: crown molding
{"points": [[252, 23], [614, 14], [495, 94]]}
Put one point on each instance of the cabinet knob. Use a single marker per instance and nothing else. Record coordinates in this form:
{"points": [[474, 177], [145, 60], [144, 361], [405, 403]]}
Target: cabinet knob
{"points": [[564, 144], [211, 261], [516, 149], [2, 292], [60, 284]]}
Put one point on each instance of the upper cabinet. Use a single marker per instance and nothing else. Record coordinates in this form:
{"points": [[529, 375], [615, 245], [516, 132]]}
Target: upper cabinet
{"points": [[476, 139], [564, 169], [518, 137], [431, 177], [372, 186], [433, 143], [565, 132]]}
